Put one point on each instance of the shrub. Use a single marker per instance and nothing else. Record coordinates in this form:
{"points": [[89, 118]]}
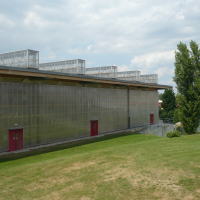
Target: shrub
{"points": [[172, 134], [179, 128]]}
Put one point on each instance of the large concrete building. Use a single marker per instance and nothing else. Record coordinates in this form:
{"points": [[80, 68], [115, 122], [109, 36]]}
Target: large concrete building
{"points": [[40, 107]]}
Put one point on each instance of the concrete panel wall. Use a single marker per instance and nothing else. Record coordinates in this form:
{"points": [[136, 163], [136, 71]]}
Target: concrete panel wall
{"points": [[51, 113], [160, 130], [142, 104]]}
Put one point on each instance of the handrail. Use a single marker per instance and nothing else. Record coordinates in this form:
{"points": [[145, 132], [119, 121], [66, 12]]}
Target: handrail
{"points": [[161, 123]]}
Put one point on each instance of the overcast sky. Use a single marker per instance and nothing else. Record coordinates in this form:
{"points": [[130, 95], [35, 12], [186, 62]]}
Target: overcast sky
{"points": [[132, 34]]}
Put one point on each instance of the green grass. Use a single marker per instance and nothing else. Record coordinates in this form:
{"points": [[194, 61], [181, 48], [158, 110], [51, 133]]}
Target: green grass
{"points": [[121, 166]]}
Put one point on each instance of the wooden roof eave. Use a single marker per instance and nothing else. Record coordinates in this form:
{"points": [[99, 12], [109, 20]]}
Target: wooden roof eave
{"points": [[38, 74]]}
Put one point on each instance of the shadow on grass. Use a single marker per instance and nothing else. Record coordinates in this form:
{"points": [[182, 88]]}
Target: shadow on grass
{"points": [[58, 147]]}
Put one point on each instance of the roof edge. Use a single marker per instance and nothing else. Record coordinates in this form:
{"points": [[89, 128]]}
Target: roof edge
{"points": [[14, 71]]}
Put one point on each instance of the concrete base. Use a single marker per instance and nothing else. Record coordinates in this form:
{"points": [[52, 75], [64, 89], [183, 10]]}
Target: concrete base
{"points": [[61, 142], [159, 130]]}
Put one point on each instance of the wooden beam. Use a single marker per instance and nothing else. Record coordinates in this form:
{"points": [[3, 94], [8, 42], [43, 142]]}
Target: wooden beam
{"points": [[38, 74]]}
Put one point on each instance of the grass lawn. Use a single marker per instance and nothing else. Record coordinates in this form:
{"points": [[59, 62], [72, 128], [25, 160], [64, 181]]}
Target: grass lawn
{"points": [[121, 166]]}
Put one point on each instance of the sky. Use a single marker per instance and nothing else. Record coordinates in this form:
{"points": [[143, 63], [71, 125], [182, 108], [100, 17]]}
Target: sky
{"points": [[132, 34]]}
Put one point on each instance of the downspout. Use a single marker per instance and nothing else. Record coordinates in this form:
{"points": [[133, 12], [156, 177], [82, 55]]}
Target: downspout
{"points": [[128, 103]]}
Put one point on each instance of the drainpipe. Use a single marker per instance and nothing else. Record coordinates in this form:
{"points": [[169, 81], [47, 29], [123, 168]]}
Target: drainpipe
{"points": [[128, 102]]}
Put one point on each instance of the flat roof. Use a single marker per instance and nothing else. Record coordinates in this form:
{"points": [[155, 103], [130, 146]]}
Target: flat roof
{"points": [[30, 73], [129, 71], [61, 61], [148, 74], [100, 67], [18, 51]]}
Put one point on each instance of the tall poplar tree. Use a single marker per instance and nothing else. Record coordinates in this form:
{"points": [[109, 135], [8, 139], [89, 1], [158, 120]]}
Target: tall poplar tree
{"points": [[187, 71]]}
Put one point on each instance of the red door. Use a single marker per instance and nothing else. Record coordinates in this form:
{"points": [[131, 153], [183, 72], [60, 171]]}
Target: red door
{"points": [[15, 139], [94, 128], [151, 119]]}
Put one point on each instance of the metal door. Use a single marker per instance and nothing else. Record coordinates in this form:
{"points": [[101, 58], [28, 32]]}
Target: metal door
{"points": [[151, 119], [94, 128], [15, 139]]}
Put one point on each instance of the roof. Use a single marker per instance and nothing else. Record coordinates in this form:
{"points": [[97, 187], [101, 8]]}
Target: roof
{"points": [[110, 66], [18, 51], [30, 73], [61, 61], [129, 71]]}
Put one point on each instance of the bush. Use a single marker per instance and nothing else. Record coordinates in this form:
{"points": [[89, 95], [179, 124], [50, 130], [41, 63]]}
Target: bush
{"points": [[172, 134], [179, 128]]}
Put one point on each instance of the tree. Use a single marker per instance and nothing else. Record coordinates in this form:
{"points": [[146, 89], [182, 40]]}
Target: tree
{"points": [[160, 96], [177, 112], [162, 114], [176, 116], [187, 70], [169, 101]]}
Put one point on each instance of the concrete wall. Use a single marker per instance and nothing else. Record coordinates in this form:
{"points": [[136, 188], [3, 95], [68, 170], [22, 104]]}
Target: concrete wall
{"points": [[51, 113], [160, 130]]}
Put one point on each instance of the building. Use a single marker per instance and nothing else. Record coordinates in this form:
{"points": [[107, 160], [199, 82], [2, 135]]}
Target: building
{"points": [[76, 66], [30, 59], [22, 59], [149, 78], [112, 72], [129, 75], [102, 72], [39, 107]]}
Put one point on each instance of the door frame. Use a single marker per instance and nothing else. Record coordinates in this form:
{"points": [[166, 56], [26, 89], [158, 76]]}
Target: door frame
{"points": [[151, 123], [15, 128], [90, 126]]}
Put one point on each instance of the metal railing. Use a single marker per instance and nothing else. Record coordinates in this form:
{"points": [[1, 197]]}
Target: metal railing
{"points": [[167, 120], [162, 123]]}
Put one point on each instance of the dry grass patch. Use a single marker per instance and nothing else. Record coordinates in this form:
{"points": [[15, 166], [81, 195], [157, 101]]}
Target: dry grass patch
{"points": [[160, 183], [129, 167]]}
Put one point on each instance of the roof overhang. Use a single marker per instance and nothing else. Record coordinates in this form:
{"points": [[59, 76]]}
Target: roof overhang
{"points": [[45, 75]]}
